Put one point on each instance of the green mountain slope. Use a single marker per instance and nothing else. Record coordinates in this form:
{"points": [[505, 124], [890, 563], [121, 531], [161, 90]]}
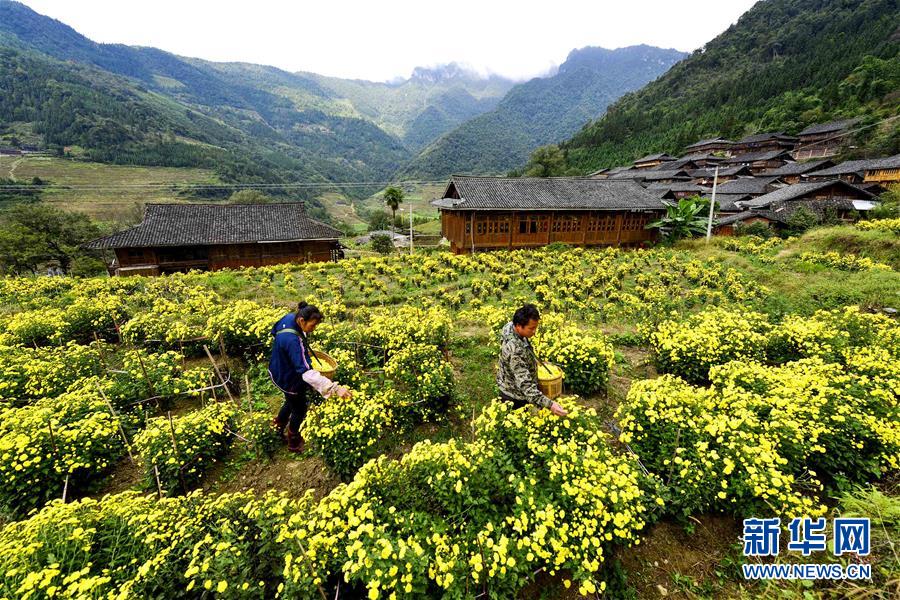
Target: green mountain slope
{"points": [[419, 109], [131, 105], [542, 110], [785, 64]]}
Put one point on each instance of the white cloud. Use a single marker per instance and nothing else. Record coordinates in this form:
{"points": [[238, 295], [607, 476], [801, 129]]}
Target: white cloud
{"points": [[383, 40]]}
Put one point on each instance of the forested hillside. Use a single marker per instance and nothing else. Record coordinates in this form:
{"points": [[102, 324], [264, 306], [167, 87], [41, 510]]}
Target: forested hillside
{"points": [[784, 65], [542, 110], [129, 105]]}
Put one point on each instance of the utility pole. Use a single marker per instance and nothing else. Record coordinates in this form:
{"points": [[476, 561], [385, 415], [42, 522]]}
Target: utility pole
{"points": [[712, 204], [410, 231]]}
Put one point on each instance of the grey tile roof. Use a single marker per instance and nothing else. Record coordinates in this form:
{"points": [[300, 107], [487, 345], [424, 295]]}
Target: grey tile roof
{"points": [[723, 171], [215, 224], [850, 166], [728, 202], [833, 126], [755, 156], [799, 168], [679, 186], [651, 157], [748, 185], [762, 137], [701, 156], [738, 217], [679, 163], [798, 190], [890, 162], [536, 193], [652, 174]]}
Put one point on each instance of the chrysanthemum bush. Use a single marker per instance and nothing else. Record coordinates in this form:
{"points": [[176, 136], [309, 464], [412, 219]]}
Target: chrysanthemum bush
{"points": [[880, 225], [690, 346], [188, 546], [170, 320], [422, 378], [142, 375], [458, 519], [585, 357], [71, 436], [77, 321], [410, 381], [256, 428], [763, 439], [843, 262], [345, 432], [530, 492], [30, 373], [180, 449], [753, 245], [242, 324]]}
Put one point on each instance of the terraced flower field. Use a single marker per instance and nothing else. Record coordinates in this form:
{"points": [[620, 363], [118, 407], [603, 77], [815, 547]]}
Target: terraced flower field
{"points": [[705, 384]]}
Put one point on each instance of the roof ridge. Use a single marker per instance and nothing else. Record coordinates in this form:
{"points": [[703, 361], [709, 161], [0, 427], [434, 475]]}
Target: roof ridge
{"points": [[289, 203]]}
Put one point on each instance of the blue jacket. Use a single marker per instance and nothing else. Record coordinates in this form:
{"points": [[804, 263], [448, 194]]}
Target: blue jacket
{"points": [[290, 357]]}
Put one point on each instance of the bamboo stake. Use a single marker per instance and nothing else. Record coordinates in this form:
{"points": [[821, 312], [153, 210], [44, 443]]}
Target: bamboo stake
{"points": [[223, 353], [65, 488], [305, 558], [159, 493], [118, 422], [212, 388], [100, 350], [218, 372], [52, 437], [172, 431], [144, 371], [249, 393], [118, 330]]}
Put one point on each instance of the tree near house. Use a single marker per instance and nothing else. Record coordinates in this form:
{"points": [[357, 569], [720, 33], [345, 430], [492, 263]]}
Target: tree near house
{"points": [[547, 161], [32, 235], [250, 197], [686, 218], [393, 197]]}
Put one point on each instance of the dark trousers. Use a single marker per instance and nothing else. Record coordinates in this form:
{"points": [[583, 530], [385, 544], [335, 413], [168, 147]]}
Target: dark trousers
{"points": [[293, 411], [515, 401]]}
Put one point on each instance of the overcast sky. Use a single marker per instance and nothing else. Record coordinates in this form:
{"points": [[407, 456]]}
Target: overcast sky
{"points": [[382, 40]]}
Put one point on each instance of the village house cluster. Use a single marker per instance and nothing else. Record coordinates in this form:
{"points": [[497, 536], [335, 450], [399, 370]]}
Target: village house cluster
{"points": [[763, 178], [760, 178]]}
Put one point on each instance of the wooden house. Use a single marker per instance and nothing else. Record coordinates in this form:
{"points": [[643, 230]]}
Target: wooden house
{"points": [[728, 204], [822, 139], [180, 237], [652, 161], [702, 160], [752, 186], [708, 146], [610, 173], [884, 171], [764, 142], [649, 176], [851, 171], [819, 198], [795, 172], [677, 190], [480, 213], [762, 161], [726, 173]]}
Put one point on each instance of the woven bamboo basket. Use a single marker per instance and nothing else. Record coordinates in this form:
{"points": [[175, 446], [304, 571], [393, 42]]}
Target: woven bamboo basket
{"points": [[329, 365], [550, 383]]}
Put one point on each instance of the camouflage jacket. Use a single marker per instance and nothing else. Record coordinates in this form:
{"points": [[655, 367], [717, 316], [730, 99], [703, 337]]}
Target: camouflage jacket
{"points": [[517, 371]]}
